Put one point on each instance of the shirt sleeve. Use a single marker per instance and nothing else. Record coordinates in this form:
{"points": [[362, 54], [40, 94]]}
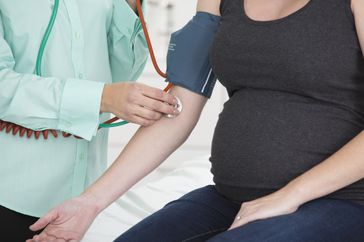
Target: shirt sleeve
{"points": [[128, 49], [37, 103]]}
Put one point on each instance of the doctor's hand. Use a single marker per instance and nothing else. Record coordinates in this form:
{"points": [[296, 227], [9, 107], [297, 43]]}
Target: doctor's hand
{"points": [[67, 222], [137, 103], [276, 204]]}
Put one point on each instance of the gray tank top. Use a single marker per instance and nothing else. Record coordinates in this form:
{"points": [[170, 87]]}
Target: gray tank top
{"points": [[296, 88]]}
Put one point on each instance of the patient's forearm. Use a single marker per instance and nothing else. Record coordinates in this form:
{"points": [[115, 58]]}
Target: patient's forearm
{"points": [[149, 147], [343, 168]]}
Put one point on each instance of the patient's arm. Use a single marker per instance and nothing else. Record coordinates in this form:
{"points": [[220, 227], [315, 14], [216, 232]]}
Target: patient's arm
{"points": [[210, 6], [149, 147]]}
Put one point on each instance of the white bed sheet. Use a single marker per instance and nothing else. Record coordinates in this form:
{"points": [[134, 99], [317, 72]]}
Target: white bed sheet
{"points": [[145, 198]]}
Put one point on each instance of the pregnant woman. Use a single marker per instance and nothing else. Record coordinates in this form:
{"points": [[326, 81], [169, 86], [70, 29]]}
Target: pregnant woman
{"points": [[288, 150]]}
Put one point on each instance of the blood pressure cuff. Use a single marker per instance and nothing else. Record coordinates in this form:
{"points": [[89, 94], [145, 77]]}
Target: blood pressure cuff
{"points": [[188, 62]]}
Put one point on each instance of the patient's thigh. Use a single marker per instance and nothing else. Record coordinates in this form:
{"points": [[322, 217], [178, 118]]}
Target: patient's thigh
{"points": [[323, 220], [197, 216]]}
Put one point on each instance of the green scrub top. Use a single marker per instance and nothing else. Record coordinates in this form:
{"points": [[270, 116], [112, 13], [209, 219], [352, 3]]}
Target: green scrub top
{"points": [[93, 42]]}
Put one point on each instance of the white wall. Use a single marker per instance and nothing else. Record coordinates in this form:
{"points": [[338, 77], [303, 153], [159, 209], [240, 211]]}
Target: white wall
{"points": [[161, 23]]}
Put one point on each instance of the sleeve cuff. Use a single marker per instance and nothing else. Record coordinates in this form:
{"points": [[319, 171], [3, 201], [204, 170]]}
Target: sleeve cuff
{"points": [[80, 108]]}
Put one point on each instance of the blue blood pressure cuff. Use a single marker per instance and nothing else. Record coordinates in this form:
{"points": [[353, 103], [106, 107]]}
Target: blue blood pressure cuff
{"points": [[188, 62]]}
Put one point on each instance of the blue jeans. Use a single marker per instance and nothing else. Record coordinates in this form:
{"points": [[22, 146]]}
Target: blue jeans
{"points": [[205, 215]]}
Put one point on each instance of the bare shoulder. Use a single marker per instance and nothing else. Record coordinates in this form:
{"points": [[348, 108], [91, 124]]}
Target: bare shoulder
{"points": [[357, 6], [210, 6]]}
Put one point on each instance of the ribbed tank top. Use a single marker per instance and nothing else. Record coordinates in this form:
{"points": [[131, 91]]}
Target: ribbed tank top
{"points": [[296, 88]]}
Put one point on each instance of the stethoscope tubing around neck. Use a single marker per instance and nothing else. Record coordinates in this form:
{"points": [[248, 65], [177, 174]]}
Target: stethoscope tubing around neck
{"points": [[38, 67]]}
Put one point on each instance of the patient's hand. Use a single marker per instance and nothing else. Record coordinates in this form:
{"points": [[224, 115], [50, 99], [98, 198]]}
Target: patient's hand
{"points": [[69, 221]]}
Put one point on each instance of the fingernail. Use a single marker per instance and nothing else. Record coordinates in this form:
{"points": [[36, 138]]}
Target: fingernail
{"points": [[176, 111]]}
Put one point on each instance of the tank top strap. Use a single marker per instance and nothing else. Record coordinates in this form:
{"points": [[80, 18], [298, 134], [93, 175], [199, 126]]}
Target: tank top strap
{"points": [[230, 6], [339, 9], [346, 5]]}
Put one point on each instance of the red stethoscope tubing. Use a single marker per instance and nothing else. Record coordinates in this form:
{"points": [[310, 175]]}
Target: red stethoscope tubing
{"points": [[151, 53]]}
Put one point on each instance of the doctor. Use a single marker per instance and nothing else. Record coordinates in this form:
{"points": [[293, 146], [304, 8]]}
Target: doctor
{"points": [[93, 45]]}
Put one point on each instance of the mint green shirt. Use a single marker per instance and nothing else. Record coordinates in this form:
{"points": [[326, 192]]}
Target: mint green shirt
{"points": [[93, 42]]}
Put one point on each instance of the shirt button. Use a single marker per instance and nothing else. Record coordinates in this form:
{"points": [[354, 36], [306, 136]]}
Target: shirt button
{"points": [[77, 35], [82, 156]]}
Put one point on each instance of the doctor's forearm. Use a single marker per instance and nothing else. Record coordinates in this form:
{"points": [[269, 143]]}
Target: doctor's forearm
{"points": [[149, 147], [343, 168]]}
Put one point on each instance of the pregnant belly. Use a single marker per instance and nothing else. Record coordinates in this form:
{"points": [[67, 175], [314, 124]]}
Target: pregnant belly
{"points": [[264, 139]]}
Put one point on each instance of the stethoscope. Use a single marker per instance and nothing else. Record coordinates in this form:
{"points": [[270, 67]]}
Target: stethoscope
{"points": [[22, 131], [110, 123]]}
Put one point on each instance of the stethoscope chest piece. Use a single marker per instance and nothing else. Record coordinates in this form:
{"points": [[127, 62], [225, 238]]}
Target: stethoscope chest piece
{"points": [[179, 107]]}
